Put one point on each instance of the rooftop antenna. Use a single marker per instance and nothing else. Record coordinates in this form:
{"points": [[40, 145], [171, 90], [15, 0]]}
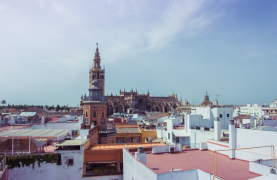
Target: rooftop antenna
{"points": [[217, 96], [193, 101]]}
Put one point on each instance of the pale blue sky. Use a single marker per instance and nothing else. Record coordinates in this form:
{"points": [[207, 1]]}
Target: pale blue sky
{"points": [[226, 47]]}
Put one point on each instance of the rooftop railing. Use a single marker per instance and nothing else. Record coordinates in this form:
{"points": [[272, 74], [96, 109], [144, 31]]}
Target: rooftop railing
{"points": [[89, 98], [103, 172]]}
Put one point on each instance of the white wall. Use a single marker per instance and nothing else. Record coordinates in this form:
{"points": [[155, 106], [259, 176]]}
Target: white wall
{"points": [[224, 120], [259, 168], [76, 171], [198, 136], [269, 122], [135, 170], [47, 171], [159, 132], [254, 138], [186, 175], [208, 115], [52, 171]]}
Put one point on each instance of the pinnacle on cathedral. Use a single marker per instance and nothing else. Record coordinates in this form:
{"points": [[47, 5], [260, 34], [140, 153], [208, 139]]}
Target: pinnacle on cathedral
{"points": [[97, 54]]}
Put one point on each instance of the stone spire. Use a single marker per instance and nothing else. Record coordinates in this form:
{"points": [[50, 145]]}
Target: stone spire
{"points": [[97, 54], [97, 59]]}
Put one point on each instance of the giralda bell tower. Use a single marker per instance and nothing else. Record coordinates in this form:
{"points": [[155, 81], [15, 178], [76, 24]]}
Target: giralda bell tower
{"points": [[96, 72]]}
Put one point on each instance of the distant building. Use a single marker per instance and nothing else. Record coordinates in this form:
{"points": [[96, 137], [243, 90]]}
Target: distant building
{"points": [[130, 102], [249, 109], [273, 103]]}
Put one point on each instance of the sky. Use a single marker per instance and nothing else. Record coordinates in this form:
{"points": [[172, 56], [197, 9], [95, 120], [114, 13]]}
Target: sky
{"points": [[224, 47]]}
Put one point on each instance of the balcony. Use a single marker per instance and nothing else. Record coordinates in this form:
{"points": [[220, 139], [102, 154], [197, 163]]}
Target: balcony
{"points": [[103, 169]]}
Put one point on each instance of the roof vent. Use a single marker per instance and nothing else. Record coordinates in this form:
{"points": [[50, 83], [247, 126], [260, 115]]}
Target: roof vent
{"points": [[140, 149]]}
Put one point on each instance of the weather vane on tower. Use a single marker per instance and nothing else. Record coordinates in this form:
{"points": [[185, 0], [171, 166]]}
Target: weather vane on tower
{"points": [[97, 44]]}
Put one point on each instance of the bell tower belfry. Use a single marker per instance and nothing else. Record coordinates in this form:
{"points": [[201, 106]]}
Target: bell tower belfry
{"points": [[96, 72]]}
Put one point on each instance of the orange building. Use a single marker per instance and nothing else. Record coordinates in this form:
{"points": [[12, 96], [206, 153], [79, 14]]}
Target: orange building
{"points": [[103, 160], [133, 134]]}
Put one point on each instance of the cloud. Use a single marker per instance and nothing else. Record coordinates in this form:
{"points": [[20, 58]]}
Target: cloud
{"points": [[65, 12], [177, 18], [59, 32]]}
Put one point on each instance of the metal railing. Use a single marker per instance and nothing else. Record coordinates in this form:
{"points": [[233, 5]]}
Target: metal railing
{"points": [[3, 168], [89, 98], [102, 172]]}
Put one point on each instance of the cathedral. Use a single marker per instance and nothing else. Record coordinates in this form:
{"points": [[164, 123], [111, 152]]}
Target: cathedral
{"points": [[125, 102]]}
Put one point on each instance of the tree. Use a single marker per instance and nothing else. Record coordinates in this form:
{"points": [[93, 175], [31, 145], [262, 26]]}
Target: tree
{"points": [[58, 108], [3, 102]]}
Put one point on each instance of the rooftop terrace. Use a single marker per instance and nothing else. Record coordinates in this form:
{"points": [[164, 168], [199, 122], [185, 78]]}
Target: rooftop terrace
{"points": [[203, 160]]}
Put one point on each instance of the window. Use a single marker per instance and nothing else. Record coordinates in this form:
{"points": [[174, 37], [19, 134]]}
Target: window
{"points": [[135, 139], [102, 121], [177, 139], [127, 140], [168, 136], [102, 114], [228, 115], [70, 162], [86, 121], [59, 159], [119, 140], [220, 115], [94, 114], [86, 114]]}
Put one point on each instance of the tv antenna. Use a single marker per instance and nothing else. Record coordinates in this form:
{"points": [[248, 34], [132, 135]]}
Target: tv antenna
{"points": [[217, 96]]}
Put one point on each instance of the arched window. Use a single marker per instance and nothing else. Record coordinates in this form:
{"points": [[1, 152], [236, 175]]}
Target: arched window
{"points": [[86, 114], [102, 114], [94, 114], [96, 64]]}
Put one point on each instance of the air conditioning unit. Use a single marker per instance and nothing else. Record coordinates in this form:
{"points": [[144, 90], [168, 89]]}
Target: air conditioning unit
{"points": [[172, 149]]}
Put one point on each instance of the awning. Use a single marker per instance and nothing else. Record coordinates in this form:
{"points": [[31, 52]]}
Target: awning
{"points": [[26, 114], [180, 133]]}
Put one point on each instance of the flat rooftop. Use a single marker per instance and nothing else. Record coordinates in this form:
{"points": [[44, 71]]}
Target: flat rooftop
{"points": [[26, 133], [121, 146], [76, 142], [203, 160]]}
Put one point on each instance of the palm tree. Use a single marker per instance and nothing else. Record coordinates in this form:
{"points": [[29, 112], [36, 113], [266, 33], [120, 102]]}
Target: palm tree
{"points": [[3, 102]]}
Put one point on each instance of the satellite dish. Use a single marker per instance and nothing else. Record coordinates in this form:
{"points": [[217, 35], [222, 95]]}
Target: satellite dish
{"points": [[150, 139]]}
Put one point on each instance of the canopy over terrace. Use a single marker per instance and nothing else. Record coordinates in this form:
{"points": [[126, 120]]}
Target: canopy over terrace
{"points": [[110, 155], [121, 146], [33, 134]]}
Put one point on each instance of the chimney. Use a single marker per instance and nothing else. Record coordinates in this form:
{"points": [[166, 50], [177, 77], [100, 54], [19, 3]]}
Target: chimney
{"points": [[141, 155], [232, 139], [217, 129]]}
